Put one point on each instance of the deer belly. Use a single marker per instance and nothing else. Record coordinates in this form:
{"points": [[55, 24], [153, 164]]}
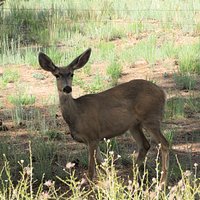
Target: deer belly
{"points": [[115, 126]]}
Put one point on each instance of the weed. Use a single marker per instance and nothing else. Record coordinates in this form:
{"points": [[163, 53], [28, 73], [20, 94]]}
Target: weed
{"points": [[168, 50], [38, 76], [110, 184], [55, 54], [169, 135], [44, 154], [188, 59], [78, 81], [18, 115], [30, 57], [97, 85], [137, 27], [87, 70], [9, 76], [54, 135], [22, 99], [114, 70], [175, 108], [185, 81]]}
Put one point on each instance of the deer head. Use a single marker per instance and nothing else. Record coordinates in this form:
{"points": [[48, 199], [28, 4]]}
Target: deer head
{"points": [[64, 75]]}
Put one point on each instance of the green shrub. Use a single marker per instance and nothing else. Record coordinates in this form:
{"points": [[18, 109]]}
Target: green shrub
{"points": [[189, 59], [185, 81], [9, 76], [114, 71], [28, 26], [22, 99]]}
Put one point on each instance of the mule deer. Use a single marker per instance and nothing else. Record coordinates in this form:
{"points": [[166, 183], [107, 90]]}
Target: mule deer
{"points": [[130, 106]]}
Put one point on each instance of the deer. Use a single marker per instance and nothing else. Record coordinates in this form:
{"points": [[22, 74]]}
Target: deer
{"points": [[133, 106]]}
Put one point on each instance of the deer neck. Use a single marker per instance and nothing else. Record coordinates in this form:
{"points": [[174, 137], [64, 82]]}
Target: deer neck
{"points": [[68, 108]]}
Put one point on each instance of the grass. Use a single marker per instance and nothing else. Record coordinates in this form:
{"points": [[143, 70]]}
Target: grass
{"points": [[97, 84], [110, 185], [9, 76], [189, 58], [114, 71], [185, 81], [175, 108], [21, 99]]}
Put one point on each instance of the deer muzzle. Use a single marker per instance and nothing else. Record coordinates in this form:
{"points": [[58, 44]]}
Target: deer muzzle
{"points": [[67, 89]]}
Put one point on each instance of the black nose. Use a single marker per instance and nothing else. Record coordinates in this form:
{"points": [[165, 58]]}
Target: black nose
{"points": [[67, 89]]}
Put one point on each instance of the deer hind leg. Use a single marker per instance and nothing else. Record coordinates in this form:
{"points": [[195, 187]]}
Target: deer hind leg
{"points": [[142, 143], [154, 130]]}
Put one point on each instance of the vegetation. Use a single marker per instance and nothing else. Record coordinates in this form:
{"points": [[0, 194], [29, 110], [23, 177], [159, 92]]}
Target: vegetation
{"points": [[124, 36], [109, 186]]}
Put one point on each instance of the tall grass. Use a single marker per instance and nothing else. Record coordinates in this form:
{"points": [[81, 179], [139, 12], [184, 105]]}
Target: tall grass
{"points": [[109, 185], [74, 24]]}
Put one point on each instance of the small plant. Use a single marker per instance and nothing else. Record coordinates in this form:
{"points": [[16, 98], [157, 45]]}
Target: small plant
{"points": [[175, 108], [185, 81], [97, 85], [188, 59], [18, 115], [169, 135], [78, 81], [55, 54], [39, 76], [22, 99], [114, 70], [30, 58], [137, 27], [87, 70], [44, 154], [110, 32], [9, 76], [54, 135], [113, 146]]}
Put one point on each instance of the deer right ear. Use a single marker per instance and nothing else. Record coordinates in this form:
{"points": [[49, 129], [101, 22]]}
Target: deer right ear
{"points": [[46, 63], [81, 60]]}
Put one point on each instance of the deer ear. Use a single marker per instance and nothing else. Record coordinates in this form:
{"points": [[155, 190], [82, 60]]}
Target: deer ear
{"points": [[81, 60], [46, 63]]}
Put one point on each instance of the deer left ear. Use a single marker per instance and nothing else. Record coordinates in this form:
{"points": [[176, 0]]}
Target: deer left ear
{"points": [[46, 63], [81, 60]]}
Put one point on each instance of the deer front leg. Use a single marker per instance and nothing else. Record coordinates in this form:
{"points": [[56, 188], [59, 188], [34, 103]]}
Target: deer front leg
{"points": [[98, 156], [92, 147]]}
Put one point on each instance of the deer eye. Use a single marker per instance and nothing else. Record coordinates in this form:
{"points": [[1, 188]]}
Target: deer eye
{"points": [[57, 76], [70, 74]]}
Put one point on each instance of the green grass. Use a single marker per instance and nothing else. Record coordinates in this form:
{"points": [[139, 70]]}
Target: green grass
{"points": [[179, 107], [22, 99], [175, 108], [185, 81], [114, 71], [97, 84], [27, 23], [9, 76], [189, 58]]}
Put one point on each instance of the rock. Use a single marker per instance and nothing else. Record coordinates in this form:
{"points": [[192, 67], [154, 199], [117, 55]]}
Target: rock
{"points": [[141, 62]]}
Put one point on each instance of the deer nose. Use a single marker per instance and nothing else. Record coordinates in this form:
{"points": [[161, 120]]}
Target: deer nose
{"points": [[67, 89]]}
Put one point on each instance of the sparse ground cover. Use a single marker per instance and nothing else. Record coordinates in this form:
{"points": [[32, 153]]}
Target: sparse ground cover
{"points": [[153, 40]]}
